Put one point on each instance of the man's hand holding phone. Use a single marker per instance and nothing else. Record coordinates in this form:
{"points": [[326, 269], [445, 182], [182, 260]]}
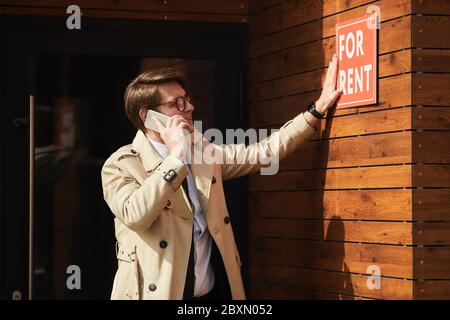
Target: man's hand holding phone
{"points": [[173, 136]]}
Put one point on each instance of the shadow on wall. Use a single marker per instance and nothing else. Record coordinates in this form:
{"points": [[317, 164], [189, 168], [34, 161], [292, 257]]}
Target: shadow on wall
{"points": [[342, 282], [339, 283]]}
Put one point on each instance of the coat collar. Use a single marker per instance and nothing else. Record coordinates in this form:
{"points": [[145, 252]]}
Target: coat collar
{"points": [[202, 172], [149, 156]]}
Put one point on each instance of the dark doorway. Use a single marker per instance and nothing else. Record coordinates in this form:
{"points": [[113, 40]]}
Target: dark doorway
{"points": [[77, 80]]}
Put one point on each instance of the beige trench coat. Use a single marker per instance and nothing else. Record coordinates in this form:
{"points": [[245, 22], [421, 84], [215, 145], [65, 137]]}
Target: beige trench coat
{"points": [[153, 220]]}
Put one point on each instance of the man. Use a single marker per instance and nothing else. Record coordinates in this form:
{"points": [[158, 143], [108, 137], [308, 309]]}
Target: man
{"points": [[174, 236]]}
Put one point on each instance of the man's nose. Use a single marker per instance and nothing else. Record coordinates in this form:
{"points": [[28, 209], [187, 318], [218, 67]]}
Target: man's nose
{"points": [[189, 106]]}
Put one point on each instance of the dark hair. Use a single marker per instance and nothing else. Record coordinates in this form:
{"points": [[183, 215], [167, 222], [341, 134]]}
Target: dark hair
{"points": [[143, 92]]}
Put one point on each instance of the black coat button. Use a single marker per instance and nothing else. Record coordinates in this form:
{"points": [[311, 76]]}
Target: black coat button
{"points": [[213, 180], [226, 220], [133, 151], [152, 287], [163, 244]]}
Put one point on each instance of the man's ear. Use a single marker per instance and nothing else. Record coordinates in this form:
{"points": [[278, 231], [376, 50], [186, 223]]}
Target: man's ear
{"points": [[143, 114]]}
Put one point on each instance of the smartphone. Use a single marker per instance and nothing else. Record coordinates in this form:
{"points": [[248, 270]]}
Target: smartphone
{"points": [[149, 124]]}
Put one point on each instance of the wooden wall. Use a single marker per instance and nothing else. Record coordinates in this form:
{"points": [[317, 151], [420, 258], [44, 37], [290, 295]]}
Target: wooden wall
{"points": [[430, 85], [373, 187], [180, 10]]}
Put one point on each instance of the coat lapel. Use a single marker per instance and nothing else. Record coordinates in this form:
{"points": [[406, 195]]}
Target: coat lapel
{"points": [[202, 173], [149, 156]]}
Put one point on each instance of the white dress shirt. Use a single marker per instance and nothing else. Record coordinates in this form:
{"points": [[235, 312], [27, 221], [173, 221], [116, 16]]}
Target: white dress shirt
{"points": [[204, 274]]}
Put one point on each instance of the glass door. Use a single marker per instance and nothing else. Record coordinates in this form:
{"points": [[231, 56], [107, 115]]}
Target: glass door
{"points": [[64, 117], [78, 116]]}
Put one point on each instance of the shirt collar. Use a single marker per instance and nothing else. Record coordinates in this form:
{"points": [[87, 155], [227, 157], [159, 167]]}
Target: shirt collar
{"points": [[160, 147]]}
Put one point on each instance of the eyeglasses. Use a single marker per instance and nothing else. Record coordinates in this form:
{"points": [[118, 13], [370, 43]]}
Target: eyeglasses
{"points": [[180, 102]]}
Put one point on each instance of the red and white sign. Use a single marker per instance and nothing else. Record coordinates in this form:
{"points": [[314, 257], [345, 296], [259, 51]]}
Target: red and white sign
{"points": [[356, 48]]}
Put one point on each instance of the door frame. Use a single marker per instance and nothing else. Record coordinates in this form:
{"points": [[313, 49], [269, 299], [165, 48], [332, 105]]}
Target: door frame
{"points": [[25, 36]]}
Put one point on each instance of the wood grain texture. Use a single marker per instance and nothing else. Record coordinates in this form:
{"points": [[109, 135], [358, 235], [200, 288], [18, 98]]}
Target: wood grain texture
{"points": [[287, 62], [292, 13], [431, 89], [431, 176], [431, 60], [431, 263], [217, 6], [282, 292], [207, 11], [350, 231], [349, 204], [431, 204], [429, 31], [395, 261], [352, 284], [432, 290], [395, 176], [393, 92], [431, 118], [389, 148], [390, 64], [256, 6], [431, 147], [323, 28], [432, 233], [441, 7]]}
